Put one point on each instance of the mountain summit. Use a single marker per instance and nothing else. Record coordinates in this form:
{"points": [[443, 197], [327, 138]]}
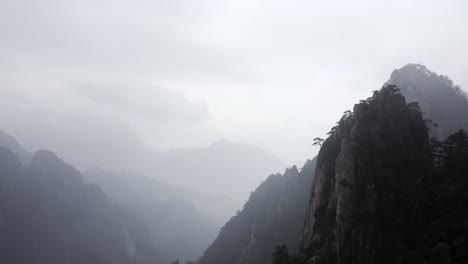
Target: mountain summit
{"points": [[11, 143], [445, 103]]}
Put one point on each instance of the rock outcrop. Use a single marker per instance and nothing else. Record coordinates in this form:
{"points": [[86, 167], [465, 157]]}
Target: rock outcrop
{"points": [[384, 193], [368, 183]]}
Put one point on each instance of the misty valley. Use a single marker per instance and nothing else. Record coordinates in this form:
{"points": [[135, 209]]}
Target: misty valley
{"points": [[389, 185], [233, 132]]}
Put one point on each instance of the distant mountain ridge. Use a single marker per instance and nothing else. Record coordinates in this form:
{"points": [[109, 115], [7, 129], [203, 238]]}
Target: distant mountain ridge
{"points": [[225, 168], [182, 222], [130, 188], [222, 168], [156, 204], [48, 214]]}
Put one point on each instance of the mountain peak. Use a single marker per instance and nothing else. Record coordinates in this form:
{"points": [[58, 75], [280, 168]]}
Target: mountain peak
{"points": [[47, 165], [45, 154], [439, 99], [421, 78], [8, 141], [412, 68], [45, 158], [414, 73]]}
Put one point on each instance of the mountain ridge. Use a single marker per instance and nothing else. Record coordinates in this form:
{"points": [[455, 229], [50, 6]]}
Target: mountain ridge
{"points": [[48, 214]]}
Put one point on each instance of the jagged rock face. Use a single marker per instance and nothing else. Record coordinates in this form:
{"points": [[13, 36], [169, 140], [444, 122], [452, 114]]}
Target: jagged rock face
{"points": [[273, 216], [367, 184], [440, 100]]}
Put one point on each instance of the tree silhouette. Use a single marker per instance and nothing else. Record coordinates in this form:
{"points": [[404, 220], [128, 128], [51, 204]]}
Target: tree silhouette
{"points": [[318, 141]]}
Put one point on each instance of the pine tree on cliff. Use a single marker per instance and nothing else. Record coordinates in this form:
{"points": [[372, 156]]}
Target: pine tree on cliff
{"points": [[384, 193], [368, 183]]}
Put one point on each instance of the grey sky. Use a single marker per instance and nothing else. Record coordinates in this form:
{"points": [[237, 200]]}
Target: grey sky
{"points": [[177, 73]]}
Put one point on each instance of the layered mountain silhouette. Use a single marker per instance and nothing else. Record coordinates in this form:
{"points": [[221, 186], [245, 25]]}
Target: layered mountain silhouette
{"points": [[223, 168], [134, 189], [48, 214], [182, 222], [390, 185]]}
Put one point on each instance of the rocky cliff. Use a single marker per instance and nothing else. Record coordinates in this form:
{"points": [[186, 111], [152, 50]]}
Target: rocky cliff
{"points": [[384, 193], [368, 184]]}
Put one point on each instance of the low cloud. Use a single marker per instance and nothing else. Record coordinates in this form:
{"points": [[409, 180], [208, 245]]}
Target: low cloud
{"points": [[223, 69], [153, 102], [92, 124]]}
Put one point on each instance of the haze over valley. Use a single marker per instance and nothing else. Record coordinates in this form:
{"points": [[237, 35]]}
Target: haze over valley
{"points": [[233, 132]]}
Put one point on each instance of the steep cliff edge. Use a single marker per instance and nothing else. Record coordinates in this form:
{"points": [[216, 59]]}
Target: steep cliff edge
{"points": [[384, 193], [368, 183]]}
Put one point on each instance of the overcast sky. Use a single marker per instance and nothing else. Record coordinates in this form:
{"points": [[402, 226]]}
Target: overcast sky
{"points": [[80, 76]]}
